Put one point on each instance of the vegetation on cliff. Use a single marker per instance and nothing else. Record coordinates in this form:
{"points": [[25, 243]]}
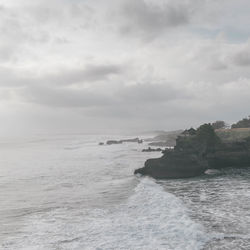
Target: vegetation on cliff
{"points": [[244, 123], [219, 125]]}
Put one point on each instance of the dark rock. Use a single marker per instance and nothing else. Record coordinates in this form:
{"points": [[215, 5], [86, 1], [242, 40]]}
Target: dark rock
{"points": [[194, 153], [149, 149], [137, 140], [235, 155], [101, 143], [176, 165], [110, 142]]}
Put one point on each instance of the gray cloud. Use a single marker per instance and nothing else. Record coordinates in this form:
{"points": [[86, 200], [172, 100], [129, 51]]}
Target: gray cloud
{"points": [[74, 58], [147, 19], [10, 78], [72, 14], [88, 74], [28, 28], [148, 93], [218, 65], [242, 58], [63, 97], [131, 95]]}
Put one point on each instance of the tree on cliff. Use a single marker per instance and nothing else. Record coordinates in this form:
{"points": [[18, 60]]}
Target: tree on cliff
{"points": [[219, 124], [244, 123], [205, 133], [203, 141]]}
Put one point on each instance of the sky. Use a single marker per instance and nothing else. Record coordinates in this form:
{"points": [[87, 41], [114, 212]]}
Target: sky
{"points": [[123, 65]]}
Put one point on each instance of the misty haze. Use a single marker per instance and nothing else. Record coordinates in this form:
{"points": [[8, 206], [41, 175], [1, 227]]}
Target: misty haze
{"points": [[125, 124]]}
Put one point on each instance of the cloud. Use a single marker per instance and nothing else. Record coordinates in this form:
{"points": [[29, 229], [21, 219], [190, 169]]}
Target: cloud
{"points": [[148, 93], [91, 73], [242, 57], [63, 97], [124, 97], [62, 77], [147, 18], [218, 65], [135, 62], [30, 28], [224, 54], [10, 77]]}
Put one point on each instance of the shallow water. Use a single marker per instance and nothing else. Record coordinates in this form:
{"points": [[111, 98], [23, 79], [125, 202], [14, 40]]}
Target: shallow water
{"points": [[67, 192]]}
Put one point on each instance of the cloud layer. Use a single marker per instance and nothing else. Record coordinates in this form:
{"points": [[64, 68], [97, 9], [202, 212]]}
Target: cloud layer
{"points": [[125, 64]]}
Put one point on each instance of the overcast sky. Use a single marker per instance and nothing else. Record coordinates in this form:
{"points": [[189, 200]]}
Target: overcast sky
{"points": [[94, 65]]}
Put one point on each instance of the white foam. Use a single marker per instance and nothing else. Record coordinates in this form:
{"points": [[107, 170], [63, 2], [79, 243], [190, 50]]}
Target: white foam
{"points": [[150, 219]]}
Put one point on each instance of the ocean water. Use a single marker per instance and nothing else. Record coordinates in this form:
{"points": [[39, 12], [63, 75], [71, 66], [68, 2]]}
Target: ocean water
{"points": [[67, 192]]}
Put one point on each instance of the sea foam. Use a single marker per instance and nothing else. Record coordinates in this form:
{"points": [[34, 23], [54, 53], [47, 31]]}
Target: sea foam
{"points": [[150, 219]]}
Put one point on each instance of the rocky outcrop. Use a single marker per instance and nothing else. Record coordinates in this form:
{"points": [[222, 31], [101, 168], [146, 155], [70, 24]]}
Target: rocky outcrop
{"points": [[137, 140], [195, 153], [175, 165], [149, 149], [110, 142], [236, 155]]}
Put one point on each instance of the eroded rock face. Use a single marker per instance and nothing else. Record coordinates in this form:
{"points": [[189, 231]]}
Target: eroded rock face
{"points": [[194, 154], [235, 155], [175, 165]]}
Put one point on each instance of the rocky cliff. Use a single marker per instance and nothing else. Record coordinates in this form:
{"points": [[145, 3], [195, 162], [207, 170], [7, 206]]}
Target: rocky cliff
{"points": [[195, 152]]}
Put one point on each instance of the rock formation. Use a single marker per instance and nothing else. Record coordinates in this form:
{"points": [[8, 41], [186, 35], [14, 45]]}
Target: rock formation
{"points": [[137, 140], [149, 149], [110, 142], [195, 152]]}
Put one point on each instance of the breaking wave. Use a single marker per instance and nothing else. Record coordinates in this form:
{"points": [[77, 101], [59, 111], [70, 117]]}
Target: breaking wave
{"points": [[150, 219]]}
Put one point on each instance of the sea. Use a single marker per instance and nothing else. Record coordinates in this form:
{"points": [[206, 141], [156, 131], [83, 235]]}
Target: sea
{"points": [[64, 191]]}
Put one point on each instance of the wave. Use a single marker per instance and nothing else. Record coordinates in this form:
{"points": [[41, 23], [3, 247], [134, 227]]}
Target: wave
{"points": [[150, 219]]}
